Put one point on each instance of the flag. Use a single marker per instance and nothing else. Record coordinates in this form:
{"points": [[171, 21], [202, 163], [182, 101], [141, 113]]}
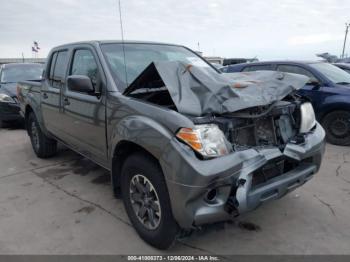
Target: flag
{"points": [[36, 45]]}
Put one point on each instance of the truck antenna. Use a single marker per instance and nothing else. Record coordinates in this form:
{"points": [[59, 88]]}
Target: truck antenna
{"points": [[123, 44]]}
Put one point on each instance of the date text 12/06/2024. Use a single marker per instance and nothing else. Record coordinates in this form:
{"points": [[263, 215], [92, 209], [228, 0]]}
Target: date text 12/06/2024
{"points": [[174, 258]]}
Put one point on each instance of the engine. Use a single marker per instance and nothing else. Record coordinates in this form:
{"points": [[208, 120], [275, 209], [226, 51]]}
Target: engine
{"points": [[273, 125]]}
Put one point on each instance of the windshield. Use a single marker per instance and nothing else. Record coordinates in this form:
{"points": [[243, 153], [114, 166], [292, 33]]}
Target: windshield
{"points": [[13, 74], [139, 56], [333, 73]]}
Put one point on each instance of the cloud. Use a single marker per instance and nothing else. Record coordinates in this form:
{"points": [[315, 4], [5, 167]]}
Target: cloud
{"points": [[313, 39], [269, 29]]}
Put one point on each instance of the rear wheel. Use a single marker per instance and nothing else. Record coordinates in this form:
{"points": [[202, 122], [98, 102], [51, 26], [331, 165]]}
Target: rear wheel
{"points": [[337, 126], [147, 202], [43, 146]]}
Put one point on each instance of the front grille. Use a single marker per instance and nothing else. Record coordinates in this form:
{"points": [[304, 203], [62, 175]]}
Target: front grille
{"points": [[260, 132], [273, 168]]}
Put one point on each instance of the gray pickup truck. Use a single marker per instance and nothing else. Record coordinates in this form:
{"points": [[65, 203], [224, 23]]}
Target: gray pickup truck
{"points": [[185, 145]]}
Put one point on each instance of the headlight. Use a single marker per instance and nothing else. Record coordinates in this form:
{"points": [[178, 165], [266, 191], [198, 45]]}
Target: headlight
{"points": [[7, 99], [308, 120], [208, 140]]}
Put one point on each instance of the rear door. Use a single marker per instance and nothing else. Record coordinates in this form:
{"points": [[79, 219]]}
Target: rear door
{"points": [[84, 114], [51, 91]]}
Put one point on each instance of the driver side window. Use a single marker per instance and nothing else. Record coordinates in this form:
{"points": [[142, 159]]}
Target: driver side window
{"points": [[84, 64]]}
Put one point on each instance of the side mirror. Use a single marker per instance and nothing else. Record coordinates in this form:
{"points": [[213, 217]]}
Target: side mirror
{"points": [[315, 83], [79, 83]]}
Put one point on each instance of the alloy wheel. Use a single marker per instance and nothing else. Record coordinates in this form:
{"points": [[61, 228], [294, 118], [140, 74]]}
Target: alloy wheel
{"points": [[340, 127], [145, 201]]}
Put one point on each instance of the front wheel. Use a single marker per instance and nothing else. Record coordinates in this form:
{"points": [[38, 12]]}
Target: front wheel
{"points": [[43, 146], [337, 126], [147, 202]]}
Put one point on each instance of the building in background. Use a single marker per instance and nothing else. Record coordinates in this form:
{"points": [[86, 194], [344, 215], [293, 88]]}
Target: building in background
{"points": [[229, 61], [22, 60], [214, 59]]}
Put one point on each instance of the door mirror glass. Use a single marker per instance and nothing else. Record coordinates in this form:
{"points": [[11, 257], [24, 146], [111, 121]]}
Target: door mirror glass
{"points": [[315, 83], [79, 83]]}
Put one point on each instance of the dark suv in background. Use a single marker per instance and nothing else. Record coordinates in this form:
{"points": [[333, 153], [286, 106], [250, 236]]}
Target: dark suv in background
{"points": [[10, 74], [328, 89]]}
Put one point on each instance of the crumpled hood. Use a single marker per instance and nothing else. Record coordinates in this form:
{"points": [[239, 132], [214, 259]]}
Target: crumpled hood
{"points": [[199, 91], [9, 89]]}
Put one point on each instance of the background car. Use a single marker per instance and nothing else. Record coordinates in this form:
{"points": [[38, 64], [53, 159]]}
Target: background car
{"points": [[10, 74], [217, 66], [328, 90], [344, 66]]}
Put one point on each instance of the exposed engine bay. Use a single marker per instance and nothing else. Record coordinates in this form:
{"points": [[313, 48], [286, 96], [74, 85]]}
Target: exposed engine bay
{"points": [[262, 126], [273, 125]]}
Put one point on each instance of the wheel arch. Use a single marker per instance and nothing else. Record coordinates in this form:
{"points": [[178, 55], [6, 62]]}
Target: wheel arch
{"points": [[28, 109], [38, 114], [331, 108], [122, 151]]}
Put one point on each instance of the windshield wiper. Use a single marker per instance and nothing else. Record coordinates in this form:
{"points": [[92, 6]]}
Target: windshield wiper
{"points": [[343, 83]]}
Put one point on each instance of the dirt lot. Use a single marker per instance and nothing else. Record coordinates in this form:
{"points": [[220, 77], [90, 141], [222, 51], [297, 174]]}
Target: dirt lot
{"points": [[65, 206]]}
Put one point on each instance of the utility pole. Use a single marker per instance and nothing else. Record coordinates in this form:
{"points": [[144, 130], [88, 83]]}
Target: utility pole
{"points": [[347, 25]]}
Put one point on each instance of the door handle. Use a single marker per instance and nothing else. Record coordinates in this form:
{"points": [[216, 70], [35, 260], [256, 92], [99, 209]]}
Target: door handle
{"points": [[45, 96], [66, 101]]}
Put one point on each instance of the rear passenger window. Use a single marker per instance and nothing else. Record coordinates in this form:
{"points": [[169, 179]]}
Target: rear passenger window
{"points": [[58, 68], [84, 64], [296, 70], [257, 68]]}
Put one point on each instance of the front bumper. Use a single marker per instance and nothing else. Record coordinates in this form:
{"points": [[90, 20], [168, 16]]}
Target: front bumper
{"points": [[9, 111], [189, 180]]}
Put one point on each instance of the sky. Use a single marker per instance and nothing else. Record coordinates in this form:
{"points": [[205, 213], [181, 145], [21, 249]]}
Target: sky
{"points": [[266, 29]]}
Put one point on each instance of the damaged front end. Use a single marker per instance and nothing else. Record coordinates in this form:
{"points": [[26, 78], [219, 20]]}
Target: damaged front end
{"points": [[270, 126], [277, 148], [252, 139]]}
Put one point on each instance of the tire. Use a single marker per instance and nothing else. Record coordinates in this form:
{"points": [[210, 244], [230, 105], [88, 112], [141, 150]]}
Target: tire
{"points": [[143, 168], [337, 126], [43, 146]]}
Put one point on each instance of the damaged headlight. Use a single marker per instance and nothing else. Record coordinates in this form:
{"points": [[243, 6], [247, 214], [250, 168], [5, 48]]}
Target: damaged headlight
{"points": [[6, 99], [208, 140], [308, 120]]}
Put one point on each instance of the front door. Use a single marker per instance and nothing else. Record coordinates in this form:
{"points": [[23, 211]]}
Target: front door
{"points": [[84, 114]]}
